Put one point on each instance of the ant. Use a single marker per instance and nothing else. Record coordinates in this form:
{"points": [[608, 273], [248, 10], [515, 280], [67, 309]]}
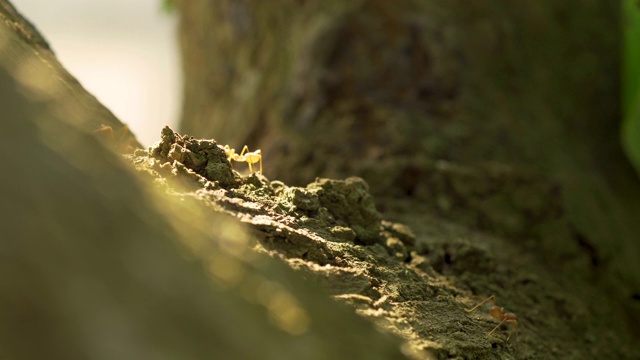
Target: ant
{"points": [[497, 312], [250, 157]]}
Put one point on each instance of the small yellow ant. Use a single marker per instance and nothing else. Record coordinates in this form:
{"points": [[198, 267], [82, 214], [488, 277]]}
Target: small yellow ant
{"points": [[250, 157], [497, 312]]}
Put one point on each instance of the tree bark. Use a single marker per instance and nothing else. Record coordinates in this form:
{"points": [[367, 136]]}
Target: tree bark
{"points": [[499, 115], [96, 263], [485, 127]]}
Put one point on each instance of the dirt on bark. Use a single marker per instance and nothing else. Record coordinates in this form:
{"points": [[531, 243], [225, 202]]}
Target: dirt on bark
{"points": [[408, 269]]}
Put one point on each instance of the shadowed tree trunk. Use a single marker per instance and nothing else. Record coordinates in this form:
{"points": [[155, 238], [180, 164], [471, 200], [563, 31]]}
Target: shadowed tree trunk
{"points": [[499, 115]]}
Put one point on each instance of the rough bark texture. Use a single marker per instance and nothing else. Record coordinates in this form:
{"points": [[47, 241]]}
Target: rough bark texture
{"points": [[499, 116], [100, 261], [416, 284], [97, 264]]}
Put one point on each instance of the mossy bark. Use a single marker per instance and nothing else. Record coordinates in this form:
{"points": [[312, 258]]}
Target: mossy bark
{"points": [[471, 122], [499, 115], [96, 263]]}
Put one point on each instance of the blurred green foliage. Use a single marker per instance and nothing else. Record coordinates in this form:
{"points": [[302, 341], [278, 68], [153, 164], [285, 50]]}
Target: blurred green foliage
{"points": [[168, 5], [631, 81]]}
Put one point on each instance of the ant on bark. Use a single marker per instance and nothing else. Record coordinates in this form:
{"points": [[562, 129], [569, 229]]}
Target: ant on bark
{"points": [[250, 157], [497, 312]]}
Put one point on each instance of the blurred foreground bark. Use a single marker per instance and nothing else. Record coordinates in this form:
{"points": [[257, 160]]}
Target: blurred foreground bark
{"points": [[96, 264], [386, 89]]}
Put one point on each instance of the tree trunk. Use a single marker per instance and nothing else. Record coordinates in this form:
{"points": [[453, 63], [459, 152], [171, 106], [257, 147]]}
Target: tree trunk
{"points": [[484, 126], [96, 263], [502, 116]]}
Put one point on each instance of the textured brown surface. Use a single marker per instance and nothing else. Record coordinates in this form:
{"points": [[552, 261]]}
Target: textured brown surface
{"points": [[416, 276], [496, 114], [97, 262]]}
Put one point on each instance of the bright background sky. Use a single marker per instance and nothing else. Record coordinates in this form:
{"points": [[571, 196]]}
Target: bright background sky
{"points": [[124, 52]]}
